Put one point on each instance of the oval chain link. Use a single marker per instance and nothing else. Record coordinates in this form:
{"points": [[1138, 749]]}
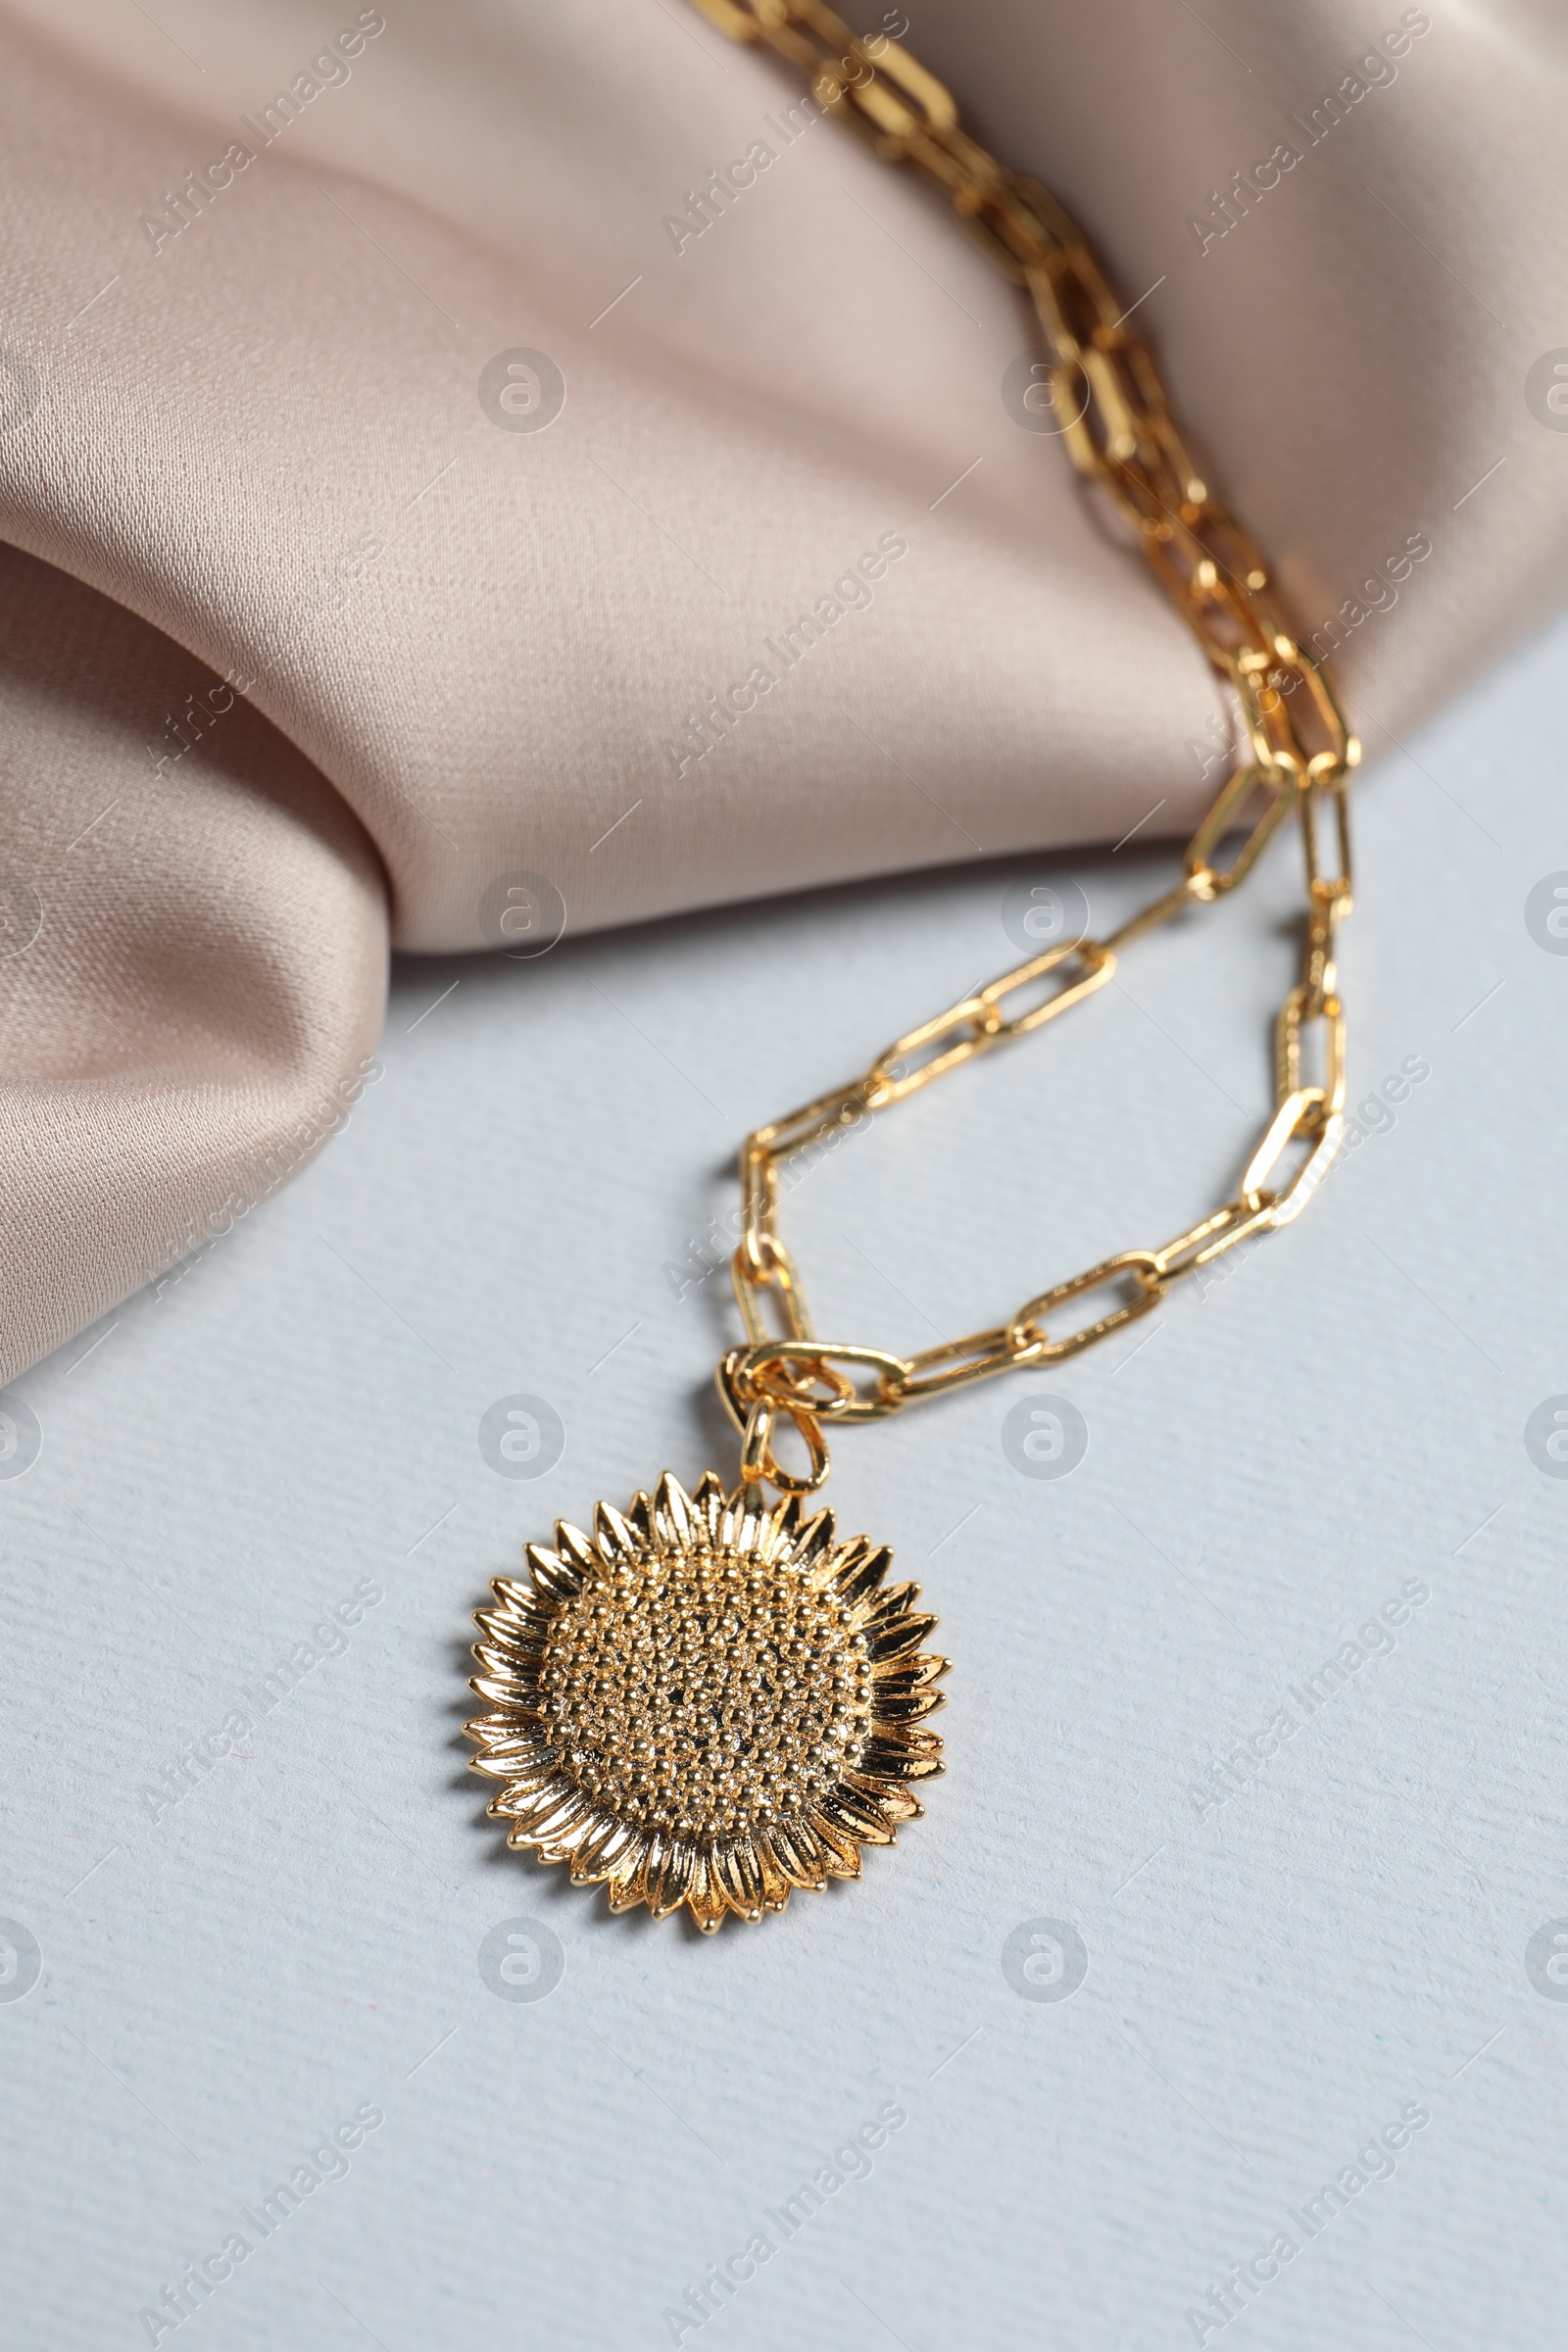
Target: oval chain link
{"points": [[1298, 753]]}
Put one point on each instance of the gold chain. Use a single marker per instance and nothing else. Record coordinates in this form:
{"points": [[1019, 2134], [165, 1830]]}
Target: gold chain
{"points": [[1298, 754]]}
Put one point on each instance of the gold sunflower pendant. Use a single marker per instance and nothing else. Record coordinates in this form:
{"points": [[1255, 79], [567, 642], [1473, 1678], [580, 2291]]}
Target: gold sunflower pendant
{"points": [[709, 1701]]}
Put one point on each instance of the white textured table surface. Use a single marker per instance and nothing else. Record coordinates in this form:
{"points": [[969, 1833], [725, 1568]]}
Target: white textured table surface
{"points": [[1339, 1934]]}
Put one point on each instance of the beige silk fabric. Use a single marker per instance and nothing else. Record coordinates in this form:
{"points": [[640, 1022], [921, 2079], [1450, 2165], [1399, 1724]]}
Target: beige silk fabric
{"points": [[306, 648]]}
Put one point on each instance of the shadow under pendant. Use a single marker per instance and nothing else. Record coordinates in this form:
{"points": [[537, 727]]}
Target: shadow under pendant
{"points": [[709, 1701]]}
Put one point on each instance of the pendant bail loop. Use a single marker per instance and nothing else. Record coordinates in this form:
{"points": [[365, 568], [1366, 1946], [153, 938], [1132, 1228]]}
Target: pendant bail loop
{"points": [[757, 1459]]}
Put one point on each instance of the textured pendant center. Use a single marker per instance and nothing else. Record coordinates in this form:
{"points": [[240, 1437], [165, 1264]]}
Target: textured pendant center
{"points": [[706, 1695]]}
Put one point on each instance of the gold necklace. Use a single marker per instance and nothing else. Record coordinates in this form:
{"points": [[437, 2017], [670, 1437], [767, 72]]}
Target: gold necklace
{"points": [[714, 1700]]}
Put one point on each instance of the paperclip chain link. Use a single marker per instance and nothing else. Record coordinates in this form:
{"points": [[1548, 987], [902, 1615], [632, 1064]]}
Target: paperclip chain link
{"points": [[1121, 435]]}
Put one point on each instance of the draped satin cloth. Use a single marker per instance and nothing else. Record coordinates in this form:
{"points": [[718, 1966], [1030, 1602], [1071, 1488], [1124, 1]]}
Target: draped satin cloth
{"points": [[308, 647]]}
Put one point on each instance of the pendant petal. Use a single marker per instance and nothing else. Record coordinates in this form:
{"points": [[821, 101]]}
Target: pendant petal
{"points": [[560, 1579], [653, 1868], [640, 1519], [566, 1843], [784, 1533], [843, 1853], [497, 1730], [896, 1803], [910, 1674], [670, 1891], [857, 1816], [504, 1736], [522, 1789], [816, 1540], [740, 1875], [507, 1690], [905, 1739], [774, 1879], [624, 1886], [529, 1811], [908, 1707], [745, 1519], [855, 1580], [507, 1763], [598, 1856], [522, 1638], [880, 1612], [894, 1640], [800, 1854], [708, 1500], [673, 1522], [617, 1543], [705, 1895], [563, 1810], [897, 1763], [576, 1547], [522, 1597], [505, 1663]]}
